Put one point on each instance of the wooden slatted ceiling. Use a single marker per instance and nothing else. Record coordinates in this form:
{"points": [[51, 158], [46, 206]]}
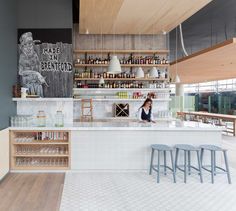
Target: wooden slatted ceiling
{"points": [[135, 16], [214, 63]]}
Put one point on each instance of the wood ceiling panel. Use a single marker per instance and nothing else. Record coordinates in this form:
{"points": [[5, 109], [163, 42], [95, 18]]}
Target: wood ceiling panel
{"points": [[214, 63], [135, 16], [98, 16]]}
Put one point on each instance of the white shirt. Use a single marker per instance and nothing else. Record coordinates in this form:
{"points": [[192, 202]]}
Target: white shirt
{"points": [[140, 114]]}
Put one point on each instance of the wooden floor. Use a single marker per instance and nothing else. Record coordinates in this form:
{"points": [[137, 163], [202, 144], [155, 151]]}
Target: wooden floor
{"points": [[31, 192]]}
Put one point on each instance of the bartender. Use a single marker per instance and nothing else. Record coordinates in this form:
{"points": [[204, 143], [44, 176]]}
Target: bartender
{"points": [[145, 111]]}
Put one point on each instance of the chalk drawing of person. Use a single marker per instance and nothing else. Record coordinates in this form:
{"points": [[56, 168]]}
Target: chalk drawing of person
{"points": [[29, 66]]}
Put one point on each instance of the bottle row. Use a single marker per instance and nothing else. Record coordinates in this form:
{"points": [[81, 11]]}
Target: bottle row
{"points": [[91, 74], [41, 150], [125, 60], [40, 136], [44, 162], [125, 85]]}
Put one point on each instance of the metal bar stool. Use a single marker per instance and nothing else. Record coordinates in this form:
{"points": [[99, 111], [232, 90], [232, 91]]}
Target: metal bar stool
{"points": [[213, 149], [187, 160], [161, 148]]}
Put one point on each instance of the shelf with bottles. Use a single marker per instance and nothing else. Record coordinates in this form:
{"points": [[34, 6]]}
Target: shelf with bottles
{"points": [[117, 84], [39, 149], [122, 65], [125, 76], [128, 51]]}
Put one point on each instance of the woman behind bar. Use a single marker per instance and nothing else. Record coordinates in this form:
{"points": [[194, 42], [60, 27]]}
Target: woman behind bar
{"points": [[145, 111]]}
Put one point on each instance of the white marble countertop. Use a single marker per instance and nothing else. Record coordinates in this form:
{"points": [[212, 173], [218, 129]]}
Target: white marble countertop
{"points": [[159, 126]]}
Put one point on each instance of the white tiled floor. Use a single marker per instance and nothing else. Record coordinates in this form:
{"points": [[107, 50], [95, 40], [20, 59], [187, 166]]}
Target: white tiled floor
{"points": [[139, 191], [229, 142]]}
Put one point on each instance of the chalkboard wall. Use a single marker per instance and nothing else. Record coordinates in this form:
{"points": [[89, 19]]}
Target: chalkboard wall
{"points": [[53, 52]]}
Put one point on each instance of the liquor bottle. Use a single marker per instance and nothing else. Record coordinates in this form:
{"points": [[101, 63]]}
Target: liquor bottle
{"points": [[91, 74], [166, 74]]}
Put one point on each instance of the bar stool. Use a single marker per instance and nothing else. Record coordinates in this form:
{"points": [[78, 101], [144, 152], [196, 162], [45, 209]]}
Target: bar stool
{"points": [[213, 149], [187, 155], [161, 148]]}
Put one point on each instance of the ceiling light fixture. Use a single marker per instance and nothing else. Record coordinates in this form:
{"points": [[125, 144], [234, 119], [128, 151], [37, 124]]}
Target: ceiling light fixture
{"points": [[153, 73], [177, 78], [139, 73], [114, 65]]}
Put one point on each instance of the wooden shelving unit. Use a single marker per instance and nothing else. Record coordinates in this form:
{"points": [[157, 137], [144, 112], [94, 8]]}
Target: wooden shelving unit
{"points": [[121, 79], [31, 153], [109, 51], [123, 65], [129, 53]]}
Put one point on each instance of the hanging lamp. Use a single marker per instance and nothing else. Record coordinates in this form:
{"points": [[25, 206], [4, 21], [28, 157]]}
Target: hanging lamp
{"points": [[177, 78], [153, 73], [139, 73], [114, 66]]}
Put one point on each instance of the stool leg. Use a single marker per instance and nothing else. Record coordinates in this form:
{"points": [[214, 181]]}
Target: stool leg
{"points": [[151, 162], [202, 153], [165, 162], [215, 163], [199, 166], [185, 166], [189, 163], [158, 167], [212, 167], [227, 167], [176, 159], [173, 167]]}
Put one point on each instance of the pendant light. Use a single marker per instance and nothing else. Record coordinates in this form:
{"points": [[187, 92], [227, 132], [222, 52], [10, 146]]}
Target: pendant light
{"points": [[153, 73], [114, 65], [139, 73]]}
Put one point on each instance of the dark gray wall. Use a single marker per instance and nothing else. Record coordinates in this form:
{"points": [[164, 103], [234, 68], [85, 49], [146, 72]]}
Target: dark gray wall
{"points": [[45, 14], [211, 25], [8, 59]]}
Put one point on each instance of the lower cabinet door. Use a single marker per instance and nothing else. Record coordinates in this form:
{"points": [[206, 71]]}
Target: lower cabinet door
{"points": [[4, 152]]}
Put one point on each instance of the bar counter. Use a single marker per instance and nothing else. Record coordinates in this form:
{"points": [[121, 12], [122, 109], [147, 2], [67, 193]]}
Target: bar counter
{"points": [[126, 145], [130, 125]]}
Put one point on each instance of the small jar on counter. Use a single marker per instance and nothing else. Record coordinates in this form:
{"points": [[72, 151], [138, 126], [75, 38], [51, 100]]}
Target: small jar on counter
{"points": [[59, 117], [41, 119]]}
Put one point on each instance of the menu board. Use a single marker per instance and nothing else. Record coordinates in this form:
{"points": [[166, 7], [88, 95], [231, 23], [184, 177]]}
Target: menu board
{"points": [[45, 65]]}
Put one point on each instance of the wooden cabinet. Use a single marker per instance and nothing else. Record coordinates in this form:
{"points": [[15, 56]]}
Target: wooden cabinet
{"points": [[40, 150], [4, 153]]}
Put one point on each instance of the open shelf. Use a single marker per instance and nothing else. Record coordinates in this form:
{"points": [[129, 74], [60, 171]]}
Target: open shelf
{"points": [[40, 143], [109, 51], [122, 89], [26, 167], [126, 100], [122, 65], [29, 153], [121, 79], [41, 155]]}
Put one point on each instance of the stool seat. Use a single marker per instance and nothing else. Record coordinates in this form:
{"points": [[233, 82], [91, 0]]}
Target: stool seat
{"points": [[212, 147], [161, 147], [186, 147]]}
